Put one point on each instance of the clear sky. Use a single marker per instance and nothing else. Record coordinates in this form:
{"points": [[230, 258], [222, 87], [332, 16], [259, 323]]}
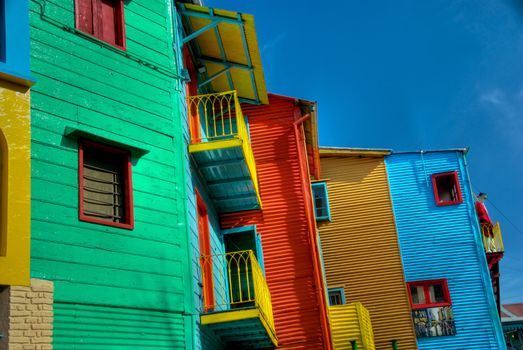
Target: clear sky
{"points": [[410, 75]]}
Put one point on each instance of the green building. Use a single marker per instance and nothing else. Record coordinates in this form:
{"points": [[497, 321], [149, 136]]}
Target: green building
{"points": [[108, 206]]}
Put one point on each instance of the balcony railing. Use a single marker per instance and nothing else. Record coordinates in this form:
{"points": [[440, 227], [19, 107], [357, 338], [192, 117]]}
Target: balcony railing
{"points": [[492, 238], [239, 283], [351, 327], [219, 117]]}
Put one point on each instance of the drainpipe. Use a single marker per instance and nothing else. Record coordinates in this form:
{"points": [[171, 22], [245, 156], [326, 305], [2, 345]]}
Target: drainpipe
{"points": [[306, 187]]}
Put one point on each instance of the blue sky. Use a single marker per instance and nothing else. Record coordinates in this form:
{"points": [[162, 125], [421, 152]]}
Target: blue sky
{"points": [[408, 75]]}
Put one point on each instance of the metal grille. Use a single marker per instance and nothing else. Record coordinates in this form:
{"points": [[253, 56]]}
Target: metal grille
{"points": [[103, 186]]}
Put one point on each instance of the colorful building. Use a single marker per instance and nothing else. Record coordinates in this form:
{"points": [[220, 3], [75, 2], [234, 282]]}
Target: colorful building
{"points": [[108, 196], [361, 252], [15, 170], [232, 304], [284, 143], [446, 270]]}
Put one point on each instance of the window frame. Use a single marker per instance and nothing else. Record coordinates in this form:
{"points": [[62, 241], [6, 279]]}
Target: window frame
{"points": [[426, 284], [128, 186], [324, 185], [120, 35], [459, 200], [340, 290]]}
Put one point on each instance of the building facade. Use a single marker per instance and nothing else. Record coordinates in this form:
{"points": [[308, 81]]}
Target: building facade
{"points": [[284, 143], [446, 270], [361, 252], [15, 170], [108, 195]]}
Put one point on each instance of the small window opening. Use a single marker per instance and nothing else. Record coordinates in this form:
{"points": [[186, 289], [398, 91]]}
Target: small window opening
{"points": [[321, 201], [446, 188], [336, 296]]}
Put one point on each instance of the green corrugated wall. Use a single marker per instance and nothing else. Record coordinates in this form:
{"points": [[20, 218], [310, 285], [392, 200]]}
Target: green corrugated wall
{"points": [[114, 288]]}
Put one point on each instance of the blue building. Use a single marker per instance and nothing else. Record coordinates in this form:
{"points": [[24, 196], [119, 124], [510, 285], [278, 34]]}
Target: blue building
{"points": [[446, 268]]}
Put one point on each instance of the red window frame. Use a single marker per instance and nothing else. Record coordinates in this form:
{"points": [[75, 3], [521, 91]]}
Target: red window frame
{"points": [[95, 20], [128, 186], [458, 188], [204, 241], [426, 285]]}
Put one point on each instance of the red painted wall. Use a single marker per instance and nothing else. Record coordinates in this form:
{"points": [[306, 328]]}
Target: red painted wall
{"points": [[284, 224]]}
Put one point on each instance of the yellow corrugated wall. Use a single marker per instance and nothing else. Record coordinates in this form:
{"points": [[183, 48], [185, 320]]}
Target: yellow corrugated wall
{"points": [[351, 322], [360, 246]]}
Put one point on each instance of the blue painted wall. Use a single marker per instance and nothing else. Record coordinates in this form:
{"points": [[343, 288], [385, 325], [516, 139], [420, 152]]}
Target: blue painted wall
{"points": [[14, 29], [444, 242]]}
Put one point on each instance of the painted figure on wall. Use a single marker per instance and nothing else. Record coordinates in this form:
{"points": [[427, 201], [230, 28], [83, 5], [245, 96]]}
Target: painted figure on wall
{"points": [[485, 222]]}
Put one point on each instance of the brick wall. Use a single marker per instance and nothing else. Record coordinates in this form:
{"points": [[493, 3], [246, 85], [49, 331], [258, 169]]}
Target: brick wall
{"points": [[26, 316]]}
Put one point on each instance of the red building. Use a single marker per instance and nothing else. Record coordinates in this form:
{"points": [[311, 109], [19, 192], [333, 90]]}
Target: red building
{"points": [[283, 136]]}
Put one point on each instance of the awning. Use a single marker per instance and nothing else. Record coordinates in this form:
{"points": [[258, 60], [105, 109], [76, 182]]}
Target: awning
{"points": [[225, 44]]}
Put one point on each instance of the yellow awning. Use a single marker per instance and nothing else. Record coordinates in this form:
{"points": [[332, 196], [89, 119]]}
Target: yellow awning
{"points": [[225, 44]]}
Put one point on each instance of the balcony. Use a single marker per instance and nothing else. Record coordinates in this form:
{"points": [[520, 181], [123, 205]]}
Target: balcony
{"points": [[493, 245], [221, 148], [240, 309], [351, 327]]}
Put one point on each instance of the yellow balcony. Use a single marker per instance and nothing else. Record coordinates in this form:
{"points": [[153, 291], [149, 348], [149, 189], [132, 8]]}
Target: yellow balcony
{"points": [[492, 238], [221, 147], [240, 309], [351, 327]]}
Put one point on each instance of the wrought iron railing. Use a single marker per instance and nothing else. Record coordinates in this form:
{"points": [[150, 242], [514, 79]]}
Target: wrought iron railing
{"points": [[492, 238], [217, 117], [239, 283]]}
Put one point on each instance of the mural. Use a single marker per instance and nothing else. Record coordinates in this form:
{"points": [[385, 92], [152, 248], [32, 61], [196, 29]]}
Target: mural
{"points": [[434, 322]]}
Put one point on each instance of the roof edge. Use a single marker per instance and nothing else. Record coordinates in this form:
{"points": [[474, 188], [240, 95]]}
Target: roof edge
{"points": [[353, 152]]}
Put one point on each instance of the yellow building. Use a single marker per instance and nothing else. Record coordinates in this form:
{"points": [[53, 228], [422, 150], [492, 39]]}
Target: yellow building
{"points": [[15, 141], [360, 247], [15, 191]]}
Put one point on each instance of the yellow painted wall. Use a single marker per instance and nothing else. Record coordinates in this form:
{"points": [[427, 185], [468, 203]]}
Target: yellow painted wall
{"points": [[351, 322], [360, 246], [15, 191]]}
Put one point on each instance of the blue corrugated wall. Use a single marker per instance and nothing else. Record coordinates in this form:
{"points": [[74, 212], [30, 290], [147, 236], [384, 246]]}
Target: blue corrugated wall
{"points": [[444, 242]]}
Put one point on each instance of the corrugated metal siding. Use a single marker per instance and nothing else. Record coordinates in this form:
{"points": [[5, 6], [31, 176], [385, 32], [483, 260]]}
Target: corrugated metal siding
{"points": [[443, 242], [351, 322], [360, 246], [201, 338], [91, 327], [283, 225]]}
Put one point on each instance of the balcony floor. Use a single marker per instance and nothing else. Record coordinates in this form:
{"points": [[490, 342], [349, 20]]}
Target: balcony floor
{"points": [[241, 329], [223, 166]]}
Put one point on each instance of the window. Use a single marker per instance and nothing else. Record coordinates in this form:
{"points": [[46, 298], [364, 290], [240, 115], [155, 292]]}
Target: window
{"points": [[336, 296], [102, 19], [429, 294], [105, 185], [431, 308], [446, 188], [321, 201]]}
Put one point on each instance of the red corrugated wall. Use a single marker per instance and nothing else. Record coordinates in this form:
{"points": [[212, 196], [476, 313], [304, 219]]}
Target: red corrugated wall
{"points": [[289, 257]]}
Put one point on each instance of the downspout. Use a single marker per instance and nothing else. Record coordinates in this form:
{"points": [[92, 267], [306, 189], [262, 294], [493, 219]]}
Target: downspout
{"points": [[306, 187], [485, 275]]}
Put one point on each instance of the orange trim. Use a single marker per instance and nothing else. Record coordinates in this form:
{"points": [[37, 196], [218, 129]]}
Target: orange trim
{"points": [[204, 240], [191, 89], [311, 224]]}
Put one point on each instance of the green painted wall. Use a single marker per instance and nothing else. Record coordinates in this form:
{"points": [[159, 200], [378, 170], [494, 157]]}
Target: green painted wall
{"points": [[114, 288]]}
